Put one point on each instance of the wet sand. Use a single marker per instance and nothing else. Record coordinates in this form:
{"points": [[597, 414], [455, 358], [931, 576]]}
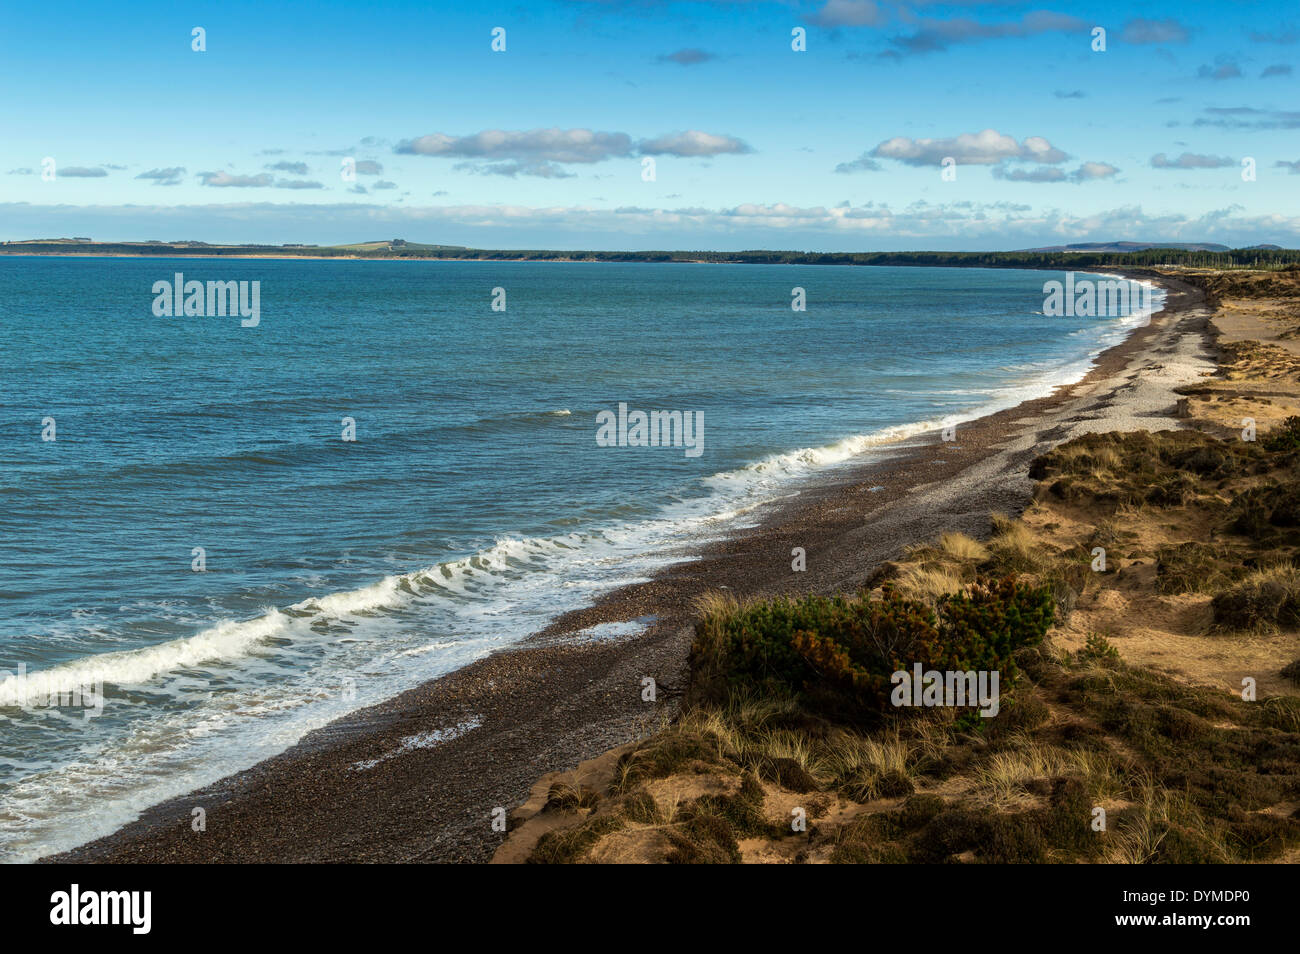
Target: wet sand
{"points": [[556, 698]]}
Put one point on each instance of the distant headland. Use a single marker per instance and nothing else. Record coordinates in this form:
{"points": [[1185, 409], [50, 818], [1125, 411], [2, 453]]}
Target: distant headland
{"points": [[1085, 255]]}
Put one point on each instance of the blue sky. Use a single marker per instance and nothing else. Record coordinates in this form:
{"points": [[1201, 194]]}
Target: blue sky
{"points": [[838, 147]]}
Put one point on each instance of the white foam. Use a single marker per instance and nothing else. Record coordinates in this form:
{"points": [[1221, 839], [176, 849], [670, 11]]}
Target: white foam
{"points": [[421, 740], [386, 593], [220, 643], [230, 640]]}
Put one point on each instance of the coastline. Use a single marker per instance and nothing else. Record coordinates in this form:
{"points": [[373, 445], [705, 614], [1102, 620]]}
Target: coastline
{"points": [[550, 701]]}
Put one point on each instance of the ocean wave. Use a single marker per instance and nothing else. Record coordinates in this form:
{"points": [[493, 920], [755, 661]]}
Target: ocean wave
{"points": [[230, 640], [797, 462], [463, 578], [225, 641]]}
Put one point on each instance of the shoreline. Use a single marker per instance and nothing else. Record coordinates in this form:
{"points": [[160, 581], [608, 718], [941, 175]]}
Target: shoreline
{"points": [[549, 701], [1084, 268]]}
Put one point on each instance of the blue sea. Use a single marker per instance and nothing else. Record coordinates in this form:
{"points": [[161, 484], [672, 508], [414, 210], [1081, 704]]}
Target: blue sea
{"points": [[196, 567]]}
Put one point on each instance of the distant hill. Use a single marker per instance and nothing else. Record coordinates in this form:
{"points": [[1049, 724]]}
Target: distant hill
{"points": [[1063, 257], [400, 247], [1138, 247], [393, 244], [79, 240]]}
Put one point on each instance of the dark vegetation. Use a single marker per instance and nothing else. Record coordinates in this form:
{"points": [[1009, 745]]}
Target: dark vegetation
{"points": [[838, 653], [1246, 493], [398, 249], [1183, 775], [791, 696]]}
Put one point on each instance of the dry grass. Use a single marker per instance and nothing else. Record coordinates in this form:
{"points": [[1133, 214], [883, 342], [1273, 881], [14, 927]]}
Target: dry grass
{"points": [[964, 548], [919, 582], [1003, 778], [1283, 572], [866, 764], [715, 605], [1015, 548], [1261, 602], [753, 733], [1146, 828], [1095, 462]]}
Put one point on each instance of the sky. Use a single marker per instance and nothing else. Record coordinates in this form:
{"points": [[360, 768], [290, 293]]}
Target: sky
{"points": [[653, 125]]}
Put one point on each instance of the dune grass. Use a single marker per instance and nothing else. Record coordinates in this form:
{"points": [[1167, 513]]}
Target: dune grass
{"points": [[1180, 773]]}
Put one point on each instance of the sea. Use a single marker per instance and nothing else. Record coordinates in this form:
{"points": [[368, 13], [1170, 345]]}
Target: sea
{"points": [[219, 533]]}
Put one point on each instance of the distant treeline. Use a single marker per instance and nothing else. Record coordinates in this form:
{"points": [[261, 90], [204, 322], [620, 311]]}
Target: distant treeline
{"points": [[1236, 258]]}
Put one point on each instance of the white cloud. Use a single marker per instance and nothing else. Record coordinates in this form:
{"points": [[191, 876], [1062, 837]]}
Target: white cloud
{"points": [[863, 163], [533, 167], [690, 143], [1094, 170], [549, 145], [935, 34], [544, 152], [1144, 31], [1040, 174], [1087, 172], [1191, 160], [849, 13], [986, 148], [224, 180], [164, 177]]}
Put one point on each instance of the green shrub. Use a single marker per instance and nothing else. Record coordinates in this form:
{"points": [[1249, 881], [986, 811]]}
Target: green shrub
{"points": [[1099, 649], [868, 840], [1140, 467], [1065, 821], [743, 811], [1285, 438], [1022, 713], [663, 755], [839, 652]]}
